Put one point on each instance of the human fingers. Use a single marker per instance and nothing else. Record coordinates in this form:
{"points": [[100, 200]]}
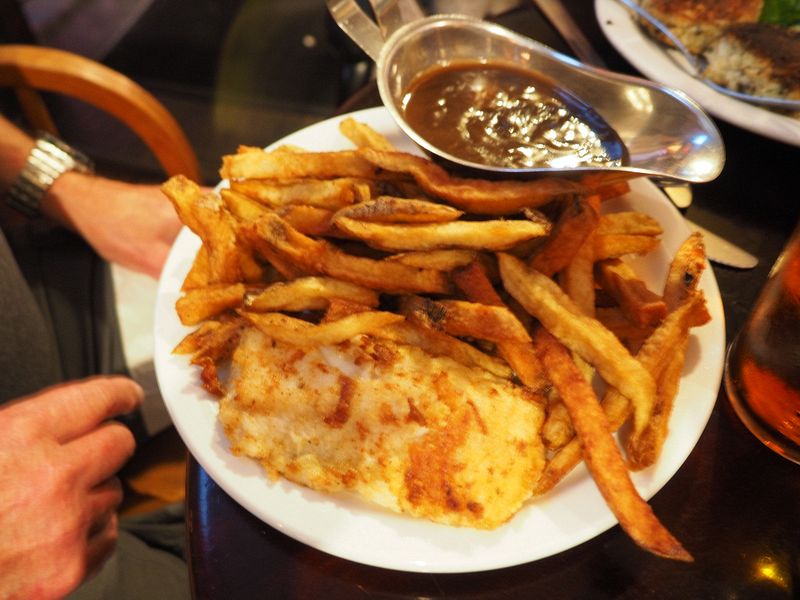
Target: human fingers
{"points": [[100, 545], [70, 410], [99, 454], [103, 501]]}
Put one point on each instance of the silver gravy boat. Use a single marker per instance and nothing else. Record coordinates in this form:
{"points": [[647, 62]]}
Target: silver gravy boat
{"points": [[666, 134]]}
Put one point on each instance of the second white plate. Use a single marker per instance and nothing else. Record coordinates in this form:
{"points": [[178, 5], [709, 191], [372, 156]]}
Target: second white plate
{"points": [[651, 59]]}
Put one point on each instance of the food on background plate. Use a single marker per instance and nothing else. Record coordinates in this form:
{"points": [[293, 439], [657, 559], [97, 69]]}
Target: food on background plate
{"points": [[396, 349], [750, 46]]}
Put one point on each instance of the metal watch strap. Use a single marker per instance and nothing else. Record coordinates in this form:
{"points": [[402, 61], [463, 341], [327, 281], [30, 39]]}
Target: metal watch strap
{"points": [[49, 159]]}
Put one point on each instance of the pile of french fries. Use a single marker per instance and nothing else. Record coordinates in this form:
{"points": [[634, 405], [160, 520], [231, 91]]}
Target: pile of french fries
{"points": [[524, 279]]}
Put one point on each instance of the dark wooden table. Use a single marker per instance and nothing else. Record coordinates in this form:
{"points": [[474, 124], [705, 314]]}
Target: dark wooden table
{"points": [[734, 504]]}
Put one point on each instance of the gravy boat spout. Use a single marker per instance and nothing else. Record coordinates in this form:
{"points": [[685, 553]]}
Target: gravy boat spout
{"points": [[666, 134]]}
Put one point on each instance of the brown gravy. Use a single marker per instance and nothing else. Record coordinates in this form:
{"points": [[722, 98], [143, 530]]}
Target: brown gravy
{"points": [[506, 116]]}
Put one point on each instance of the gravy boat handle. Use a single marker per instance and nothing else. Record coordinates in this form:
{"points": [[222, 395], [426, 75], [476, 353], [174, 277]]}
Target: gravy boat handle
{"points": [[390, 16]]}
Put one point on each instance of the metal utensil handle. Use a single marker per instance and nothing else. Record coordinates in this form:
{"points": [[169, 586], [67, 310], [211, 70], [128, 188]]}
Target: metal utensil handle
{"points": [[390, 14], [393, 14], [357, 24], [555, 12]]}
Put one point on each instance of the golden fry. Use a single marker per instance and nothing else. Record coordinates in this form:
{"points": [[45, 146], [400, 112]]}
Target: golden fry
{"points": [[478, 196], [302, 333], [601, 453], [618, 245], [321, 258], [486, 235], [438, 343], [331, 194], [587, 337], [576, 222], [297, 165], [628, 223], [441, 260], [641, 305], [364, 136], [389, 209], [466, 319], [475, 284], [684, 271], [198, 304], [310, 293]]}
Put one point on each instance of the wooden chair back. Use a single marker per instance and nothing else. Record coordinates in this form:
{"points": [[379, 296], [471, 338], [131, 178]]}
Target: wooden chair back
{"points": [[30, 69]]}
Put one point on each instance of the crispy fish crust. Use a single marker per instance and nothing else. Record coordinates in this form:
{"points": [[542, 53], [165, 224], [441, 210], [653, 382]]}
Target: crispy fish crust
{"points": [[696, 23], [757, 58], [417, 434]]}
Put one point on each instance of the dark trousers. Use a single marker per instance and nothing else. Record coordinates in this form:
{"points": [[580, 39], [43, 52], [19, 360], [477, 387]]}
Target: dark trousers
{"points": [[58, 323]]}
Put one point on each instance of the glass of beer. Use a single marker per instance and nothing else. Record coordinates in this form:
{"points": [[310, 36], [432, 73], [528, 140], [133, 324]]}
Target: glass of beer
{"points": [[762, 375]]}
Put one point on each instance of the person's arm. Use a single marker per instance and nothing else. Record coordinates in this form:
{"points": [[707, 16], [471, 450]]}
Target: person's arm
{"points": [[58, 492], [130, 224]]}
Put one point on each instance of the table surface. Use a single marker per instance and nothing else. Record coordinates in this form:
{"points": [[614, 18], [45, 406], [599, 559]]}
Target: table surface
{"points": [[734, 504]]}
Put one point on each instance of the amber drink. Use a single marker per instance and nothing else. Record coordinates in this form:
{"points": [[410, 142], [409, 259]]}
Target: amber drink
{"points": [[762, 377]]}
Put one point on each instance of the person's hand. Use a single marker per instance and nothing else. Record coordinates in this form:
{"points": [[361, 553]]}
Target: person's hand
{"points": [[58, 492], [132, 225]]}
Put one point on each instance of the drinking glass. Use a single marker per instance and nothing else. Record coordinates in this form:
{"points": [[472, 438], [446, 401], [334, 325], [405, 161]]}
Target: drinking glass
{"points": [[762, 374]]}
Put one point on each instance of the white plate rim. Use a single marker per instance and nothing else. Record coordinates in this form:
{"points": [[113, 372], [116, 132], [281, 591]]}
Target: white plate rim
{"points": [[350, 529], [654, 63]]}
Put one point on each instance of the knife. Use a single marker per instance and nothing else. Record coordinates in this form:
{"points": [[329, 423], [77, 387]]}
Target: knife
{"points": [[719, 250]]}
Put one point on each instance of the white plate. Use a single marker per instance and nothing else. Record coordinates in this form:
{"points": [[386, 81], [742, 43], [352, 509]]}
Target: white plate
{"points": [[346, 527], [650, 58]]}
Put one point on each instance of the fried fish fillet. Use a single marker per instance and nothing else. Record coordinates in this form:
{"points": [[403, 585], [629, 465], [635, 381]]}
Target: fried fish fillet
{"points": [[757, 59], [417, 434], [698, 22]]}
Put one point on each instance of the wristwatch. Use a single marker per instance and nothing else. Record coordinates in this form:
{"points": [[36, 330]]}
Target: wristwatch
{"points": [[50, 158]]}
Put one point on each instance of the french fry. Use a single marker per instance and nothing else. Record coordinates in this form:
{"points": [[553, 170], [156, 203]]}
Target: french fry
{"points": [[478, 196], [577, 220], [654, 355], [601, 453], [322, 258], [308, 220], [685, 270], [485, 235], [297, 165], [641, 305], [364, 136], [438, 343], [466, 319], [213, 340], [645, 450], [557, 429], [198, 304], [476, 286], [585, 336], [618, 245], [284, 328], [629, 333], [389, 209], [577, 278], [331, 194], [309, 293], [628, 223], [205, 214], [441, 260], [198, 272]]}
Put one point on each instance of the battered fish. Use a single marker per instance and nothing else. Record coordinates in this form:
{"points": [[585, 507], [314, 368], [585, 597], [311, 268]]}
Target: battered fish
{"points": [[417, 434], [697, 23]]}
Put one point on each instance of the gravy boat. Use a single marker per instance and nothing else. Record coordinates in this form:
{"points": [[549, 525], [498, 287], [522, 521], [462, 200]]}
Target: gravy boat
{"points": [[666, 134]]}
